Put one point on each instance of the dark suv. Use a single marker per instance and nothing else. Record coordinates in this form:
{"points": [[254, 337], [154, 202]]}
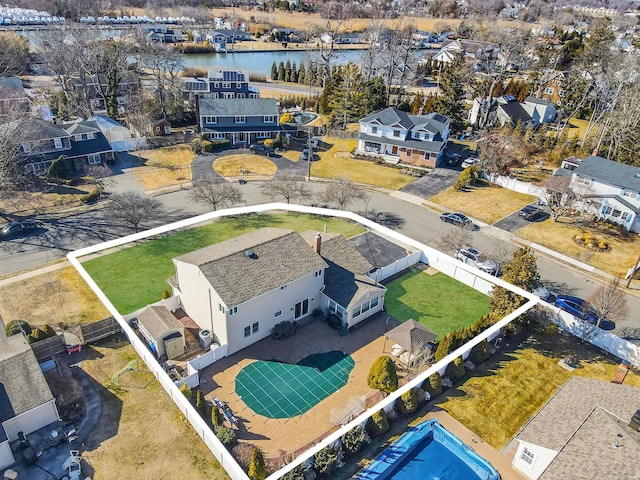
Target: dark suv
{"points": [[262, 150], [17, 229]]}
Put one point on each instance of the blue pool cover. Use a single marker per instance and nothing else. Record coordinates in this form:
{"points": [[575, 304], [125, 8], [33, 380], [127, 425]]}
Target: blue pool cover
{"points": [[429, 452]]}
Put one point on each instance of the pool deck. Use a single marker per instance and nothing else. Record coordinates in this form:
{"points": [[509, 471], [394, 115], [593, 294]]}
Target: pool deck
{"points": [[501, 463]]}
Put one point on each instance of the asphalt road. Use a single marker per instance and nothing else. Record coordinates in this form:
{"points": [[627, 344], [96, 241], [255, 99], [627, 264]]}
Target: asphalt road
{"points": [[73, 232]]}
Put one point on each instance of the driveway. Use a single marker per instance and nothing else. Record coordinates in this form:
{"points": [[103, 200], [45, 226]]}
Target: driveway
{"points": [[379, 251], [433, 183], [513, 222], [201, 166]]}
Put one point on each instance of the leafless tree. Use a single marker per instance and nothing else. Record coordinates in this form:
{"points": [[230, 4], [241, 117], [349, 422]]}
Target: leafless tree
{"points": [[14, 54], [216, 192], [456, 238], [609, 302], [419, 359], [501, 253], [342, 192], [101, 175], [288, 186], [561, 196], [133, 208]]}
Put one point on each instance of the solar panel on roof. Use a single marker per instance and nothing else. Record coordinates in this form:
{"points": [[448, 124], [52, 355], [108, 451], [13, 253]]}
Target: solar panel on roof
{"points": [[439, 118]]}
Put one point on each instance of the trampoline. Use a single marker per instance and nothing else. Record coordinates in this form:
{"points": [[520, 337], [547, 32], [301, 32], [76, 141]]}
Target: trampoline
{"points": [[284, 390]]}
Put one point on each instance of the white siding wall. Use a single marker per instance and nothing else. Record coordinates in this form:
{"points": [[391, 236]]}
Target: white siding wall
{"points": [[32, 420], [543, 457], [606, 189], [363, 316], [262, 309], [383, 131], [6, 457], [200, 300]]}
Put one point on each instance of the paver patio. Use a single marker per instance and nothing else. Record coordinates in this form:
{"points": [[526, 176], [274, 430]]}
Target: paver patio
{"points": [[274, 436]]}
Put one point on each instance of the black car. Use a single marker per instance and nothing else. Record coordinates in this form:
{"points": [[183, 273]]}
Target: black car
{"points": [[456, 219], [454, 159], [531, 213], [261, 149], [17, 229]]}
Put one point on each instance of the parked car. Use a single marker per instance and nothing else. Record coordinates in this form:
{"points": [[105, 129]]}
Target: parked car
{"points": [[531, 213], [262, 150], [73, 348], [470, 162], [476, 258], [539, 290], [17, 229], [454, 159], [581, 309], [305, 154], [456, 219]]}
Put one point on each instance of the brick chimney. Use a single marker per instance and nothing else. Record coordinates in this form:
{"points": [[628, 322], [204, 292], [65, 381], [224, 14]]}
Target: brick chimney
{"points": [[317, 243]]}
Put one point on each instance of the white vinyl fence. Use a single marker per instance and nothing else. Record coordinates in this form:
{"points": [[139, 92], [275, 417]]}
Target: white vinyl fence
{"points": [[515, 185], [395, 267]]}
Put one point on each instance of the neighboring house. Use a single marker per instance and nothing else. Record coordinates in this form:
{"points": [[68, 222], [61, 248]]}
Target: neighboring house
{"points": [[160, 128], [230, 36], [220, 83], [553, 86], [13, 98], [285, 34], [219, 40], [341, 38], [242, 287], [506, 110], [397, 136], [81, 144], [163, 331], [164, 34], [118, 136], [240, 120], [615, 189], [26, 402], [96, 89], [584, 431], [472, 51]]}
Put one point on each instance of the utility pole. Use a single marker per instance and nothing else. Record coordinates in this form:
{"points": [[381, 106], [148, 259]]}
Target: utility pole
{"points": [[309, 157], [632, 271]]}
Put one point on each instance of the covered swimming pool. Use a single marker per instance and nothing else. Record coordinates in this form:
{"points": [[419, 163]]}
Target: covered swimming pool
{"points": [[429, 452]]}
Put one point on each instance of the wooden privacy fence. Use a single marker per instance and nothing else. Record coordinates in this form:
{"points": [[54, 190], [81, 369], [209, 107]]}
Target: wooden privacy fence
{"points": [[98, 330], [47, 348]]}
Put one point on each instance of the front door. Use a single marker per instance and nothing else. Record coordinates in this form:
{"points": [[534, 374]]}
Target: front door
{"points": [[301, 309], [394, 150]]}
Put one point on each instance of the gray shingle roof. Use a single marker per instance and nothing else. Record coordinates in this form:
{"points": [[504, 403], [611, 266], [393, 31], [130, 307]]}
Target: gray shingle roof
{"points": [[81, 127], [411, 335], [539, 101], [157, 320], [515, 112], [227, 107], [608, 171], [22, 384], [36, 129], [279, 257], [390, 116], [576, 406]]}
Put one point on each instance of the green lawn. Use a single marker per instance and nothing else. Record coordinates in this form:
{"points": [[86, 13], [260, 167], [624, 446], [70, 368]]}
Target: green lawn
{"points": [[438, 302], [137, 276]]}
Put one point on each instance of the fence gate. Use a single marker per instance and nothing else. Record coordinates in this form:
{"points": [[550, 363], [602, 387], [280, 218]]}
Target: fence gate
{"points": [[47, 348]]}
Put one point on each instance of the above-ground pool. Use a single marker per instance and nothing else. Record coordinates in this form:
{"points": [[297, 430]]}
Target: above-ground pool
{"points": [[429, 452], [304, 117]]}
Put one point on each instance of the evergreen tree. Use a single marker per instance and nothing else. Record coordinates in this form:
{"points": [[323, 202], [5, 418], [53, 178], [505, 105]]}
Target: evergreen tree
{"points": [[293, 77], [480, 352], [287, 71], [281, 72], [382, 375], [418, 103], [452, 88], [433, 384], [301, 74], [376, 98], [498, 90], [522, 272], [455, 370], [378, 423], [216, 418], [200, 405], [257, 468], [274, 71], [429, 104], [444, 347]]}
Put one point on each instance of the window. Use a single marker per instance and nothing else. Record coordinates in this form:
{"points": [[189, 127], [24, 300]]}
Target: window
{"points": [[374, 302], [221, 307], [365, 307], [318, 273], [26, 147], [356, 312], [301, 309], [216, 136], [228, 95], [240, 95], [629, 193], [209, 119], [624, 216], [216, 85], [238, 85], [226, 85], [255, 327], [263, 135], [233, 311], [607, 210], [616, 213], [240, 119], [277, 314], [91, 136], [527, 456], [268, 119], [247, 331], [548, 91], [77, 138], [374, 129], [57, 142], [396, 133], [409, 152], [562, 93], [584, 181], [93, 159]]}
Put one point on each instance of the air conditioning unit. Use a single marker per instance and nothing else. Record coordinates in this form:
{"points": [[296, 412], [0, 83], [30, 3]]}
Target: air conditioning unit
{"points": [[205, 337]]}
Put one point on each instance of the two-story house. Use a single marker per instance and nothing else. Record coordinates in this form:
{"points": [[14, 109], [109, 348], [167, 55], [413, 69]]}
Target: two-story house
{"points": [[397, 136], [239, 289], [13, 98], [96, 89], [239, 120], [553, 86], [220, 83], [80, 143], [614, 189]]}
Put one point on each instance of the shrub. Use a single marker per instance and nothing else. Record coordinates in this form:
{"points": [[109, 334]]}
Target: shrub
{"points": [[216, 419], [298, 473], [60, 168], [325, 461], [201, 406], [218, 143], [355, 439], [269, 143], [408, 401], [48, 332], [226, 435], [433, 384], [17, 326], [201, 145], [455, 370], [166, 295], [382, 375], [242, 452], [36, 335], [287, 118], [480, 352], [378, 423], [257, 468], [91, 197], [186, 391]]}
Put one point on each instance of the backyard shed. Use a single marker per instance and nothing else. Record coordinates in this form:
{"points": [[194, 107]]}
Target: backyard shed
{"points": [[412, 340], [160, 127], [163, 332]]}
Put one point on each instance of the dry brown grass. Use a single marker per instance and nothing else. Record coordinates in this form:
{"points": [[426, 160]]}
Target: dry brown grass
{"points": [[266, 92], [38, 203], [335, 162], [488, 204], [560, 235], [293, 155], [65, 298], [249, 164], [164, 166], [140, 429]]}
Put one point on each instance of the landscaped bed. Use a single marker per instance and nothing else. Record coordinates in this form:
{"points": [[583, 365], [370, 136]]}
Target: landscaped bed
{"points": [[485, 203], [249, 164], [438, 302], [137, 276]]}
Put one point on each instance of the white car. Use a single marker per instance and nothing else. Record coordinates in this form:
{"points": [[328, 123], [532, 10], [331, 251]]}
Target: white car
{"points": [[470, 162], [476, 258]]}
